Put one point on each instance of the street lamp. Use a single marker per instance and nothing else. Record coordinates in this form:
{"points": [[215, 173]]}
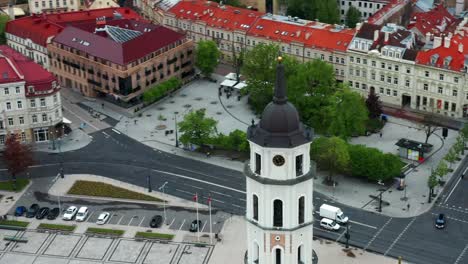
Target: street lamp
{"points": [[52, 134], [175, 128], [163, 187], [347, 235], [148, 178]]}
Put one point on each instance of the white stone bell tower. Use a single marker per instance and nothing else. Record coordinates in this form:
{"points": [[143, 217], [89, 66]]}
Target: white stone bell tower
{"points": [[279, 184]]}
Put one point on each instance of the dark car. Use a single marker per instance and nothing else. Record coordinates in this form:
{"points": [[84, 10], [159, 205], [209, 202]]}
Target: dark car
{"points": [[53, 213], [42, 213], [20, 210], [440, 221], [32, 211], [156, 221], [195, 226]]}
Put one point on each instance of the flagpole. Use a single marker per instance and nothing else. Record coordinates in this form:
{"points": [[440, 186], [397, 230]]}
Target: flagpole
{"points": [[211, 231], [198, 223]]}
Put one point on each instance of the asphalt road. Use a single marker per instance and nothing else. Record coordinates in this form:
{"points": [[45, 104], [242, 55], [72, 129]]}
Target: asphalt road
{"points": [[415, 239]]}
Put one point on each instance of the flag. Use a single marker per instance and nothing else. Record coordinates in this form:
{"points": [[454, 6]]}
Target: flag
{"points": [[195, 197], [209, 199]]}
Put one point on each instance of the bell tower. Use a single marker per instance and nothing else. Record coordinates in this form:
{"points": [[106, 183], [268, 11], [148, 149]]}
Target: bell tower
{"points": [[279, 179]]}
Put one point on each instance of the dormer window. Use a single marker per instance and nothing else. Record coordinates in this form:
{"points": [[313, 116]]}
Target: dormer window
{"points": [[447, 61], [31, 89], [434, 59]]}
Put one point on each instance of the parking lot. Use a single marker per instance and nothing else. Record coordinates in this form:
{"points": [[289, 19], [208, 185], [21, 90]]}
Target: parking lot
{"points": [[51, 248]]}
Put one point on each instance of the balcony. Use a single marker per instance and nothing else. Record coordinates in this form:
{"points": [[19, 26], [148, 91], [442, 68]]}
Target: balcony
{"points": [[93, 82]]}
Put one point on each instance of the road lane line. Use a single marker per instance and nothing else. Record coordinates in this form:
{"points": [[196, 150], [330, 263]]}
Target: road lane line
{"points": [[198, 180], [362, 224], [461, 254], [181, 225], [339, 237], [378, 233], [219, 201], [238, 206], [142, 220], [116, 131], [456, 184], [131, 220], [173, 219], [203, 228], [223, 194], [89, 216], [120, 220], [241, 199], [179, 190], [105, 134], [399, 236]]}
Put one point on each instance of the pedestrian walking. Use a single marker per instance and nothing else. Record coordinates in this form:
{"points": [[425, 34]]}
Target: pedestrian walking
{"points": [[135, 121], [380, 133], [408, 206]]}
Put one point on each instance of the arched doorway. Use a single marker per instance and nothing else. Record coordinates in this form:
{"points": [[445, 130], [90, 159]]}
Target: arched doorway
{"points": [[372, 89], [405, 100], [300, 254]]}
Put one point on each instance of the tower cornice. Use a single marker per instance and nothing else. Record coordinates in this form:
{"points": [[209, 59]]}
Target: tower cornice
{"points": [[263, 180]]}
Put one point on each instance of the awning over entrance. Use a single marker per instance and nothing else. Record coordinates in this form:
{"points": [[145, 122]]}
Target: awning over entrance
{"points": [[240, 85], [66, 121], [228, 83]]}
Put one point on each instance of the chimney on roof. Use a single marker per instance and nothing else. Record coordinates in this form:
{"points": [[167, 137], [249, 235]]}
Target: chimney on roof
{"points": [[387, 35], [428, 37], [100, 22], [11, 11], [376, 35], [437, 42], [460, 48], [358, 26], [447, 40]]}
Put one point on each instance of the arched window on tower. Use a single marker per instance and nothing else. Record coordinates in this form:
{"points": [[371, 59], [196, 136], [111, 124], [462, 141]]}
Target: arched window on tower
{"points": [[301, 210], [258, 163], [278, 256], [300, 254], [278, 213], [299, 165], [255, 207]]}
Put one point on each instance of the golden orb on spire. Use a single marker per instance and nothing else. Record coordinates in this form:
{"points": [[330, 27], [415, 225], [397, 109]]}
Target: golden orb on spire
{"points": [[280, 59]]}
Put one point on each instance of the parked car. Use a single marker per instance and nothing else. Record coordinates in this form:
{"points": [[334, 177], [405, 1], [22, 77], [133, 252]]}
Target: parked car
{"points": [[440, 221], [42, 213], [53, 213], [20, 210], [70, 213], [102, 219], [32, 211], [195, 226], [156, 221], [82, 214], [329, 224]]}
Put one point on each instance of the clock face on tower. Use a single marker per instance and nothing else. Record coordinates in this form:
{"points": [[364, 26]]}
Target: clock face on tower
{"points": [[278, 160]]}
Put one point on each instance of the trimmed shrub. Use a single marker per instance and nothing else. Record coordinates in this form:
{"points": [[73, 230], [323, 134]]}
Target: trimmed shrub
{"points": [[160, 90]]}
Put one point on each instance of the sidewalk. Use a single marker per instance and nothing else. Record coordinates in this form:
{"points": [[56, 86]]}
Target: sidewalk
{"points": [[231, 249], [76, 139], [9, 199]]}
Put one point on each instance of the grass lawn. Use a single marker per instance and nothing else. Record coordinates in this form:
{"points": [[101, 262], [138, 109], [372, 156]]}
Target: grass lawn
{"points": [[14, 223], [20, 184], [99, 189], [154, 235], [105, 231], [57, 227]]}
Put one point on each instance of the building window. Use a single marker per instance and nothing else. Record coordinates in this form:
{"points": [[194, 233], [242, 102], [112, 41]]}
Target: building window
{"points": [[10, 121], [277, 256], [23, 137], [426, 73], [382, 65], [455, 79], [426, 87], [258, 163], [21, 120], [43, 103], [6, 91], [358, 60], [455, 93], [395, 80], [8, 105], [454, 107], [17, 90], [299, 165], [441, 77], [382, 78], [364, 61], [32, 102], [358, 72], [407, 83], [301, 206], [389, 79], [34, 118], [342, 60], [373, 63], [397, 68], [255, 207], [277, 213], [408, 70], [395, 93], [351, 59], [44, 118], [381, 90], [55, 98], [446, 105], [388, 91], [2, 139], [373, 75], [20, 104], [440, 90]]}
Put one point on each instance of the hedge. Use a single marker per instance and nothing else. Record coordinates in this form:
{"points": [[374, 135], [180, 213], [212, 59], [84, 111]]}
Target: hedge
{"points": [[14, 223], [160, 90], [154, 235], [8, 185], [105, 231], [70, 228]]}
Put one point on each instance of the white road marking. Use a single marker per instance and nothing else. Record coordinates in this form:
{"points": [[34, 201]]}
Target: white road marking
{"points": [[362, 224], [223, 194], [79, 117], [131, 220], [179, 190], [181, 225], [399, 236], [237, 205], [461, 254], [203, 226], [105, 134], [142, 220], [219, 201], [120, 220], [241, 199], [198, 180], [89, 216], [456, 184], [110, 218], [116, 131], [453, 218], [339, 237], [378, 233], [173, 219], [196, 187]]}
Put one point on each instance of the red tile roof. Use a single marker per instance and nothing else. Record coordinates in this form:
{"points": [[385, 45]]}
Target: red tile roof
{"points": [[39, 28], [387, 11], [226, 17], [442, 53], [312, 34], [438, 20], [15, 67], [103, 46]]}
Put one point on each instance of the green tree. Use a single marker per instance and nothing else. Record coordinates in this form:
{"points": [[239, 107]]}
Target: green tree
{"points": [[260, 62], [3, 21], [431, 183], [327, 11], [353, 16], [196, 128], [451, 157], [349, 114], [459, 145], [365, 162], [442, 169], [464, 132], [207, 55], [238, 140], [374, 105], [261, 93], [334, 157], [392, 166], [18, 157]]}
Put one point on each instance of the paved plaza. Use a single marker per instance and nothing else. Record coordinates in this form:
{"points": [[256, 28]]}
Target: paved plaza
{"points": [[51, 248]]}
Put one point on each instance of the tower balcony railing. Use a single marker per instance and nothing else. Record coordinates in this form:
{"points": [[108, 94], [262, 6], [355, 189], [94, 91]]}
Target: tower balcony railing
{"points": [[304, 177]]}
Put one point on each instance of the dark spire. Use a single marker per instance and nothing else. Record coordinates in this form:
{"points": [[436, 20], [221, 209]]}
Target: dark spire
{"points": [[280, 86]]}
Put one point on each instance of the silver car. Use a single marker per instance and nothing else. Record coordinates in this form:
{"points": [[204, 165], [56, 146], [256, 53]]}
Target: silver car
{"points": [[103, 218]]}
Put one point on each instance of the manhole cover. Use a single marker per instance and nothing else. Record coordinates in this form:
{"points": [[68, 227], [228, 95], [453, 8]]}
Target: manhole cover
{"points": [[213, 102], [198, 99], [229, 106], [187, 106], [160, 127]]}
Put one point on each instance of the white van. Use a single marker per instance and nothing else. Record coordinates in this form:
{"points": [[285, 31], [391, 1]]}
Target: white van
{"points": [[82, 214], [333, 213]]}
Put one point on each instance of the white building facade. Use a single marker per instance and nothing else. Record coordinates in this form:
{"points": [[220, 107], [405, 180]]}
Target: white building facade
{"points": [[279, 185], [366, 7], [48, 6]]}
